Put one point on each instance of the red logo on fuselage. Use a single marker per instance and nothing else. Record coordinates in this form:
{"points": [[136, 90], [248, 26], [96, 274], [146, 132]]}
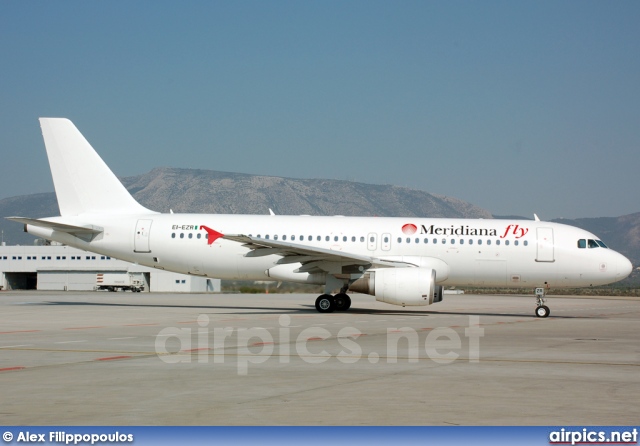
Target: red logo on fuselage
{"points": [[409, 229], [515, 230], [213, 235]]}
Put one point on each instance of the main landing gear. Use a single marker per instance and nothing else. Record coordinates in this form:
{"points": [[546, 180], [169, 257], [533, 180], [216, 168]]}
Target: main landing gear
{"points": [[327, 303], [541, 309]]}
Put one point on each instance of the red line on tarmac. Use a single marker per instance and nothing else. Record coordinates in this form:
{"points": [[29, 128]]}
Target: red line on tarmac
{"points": [[8, 369], [111, 358], [82, 328], [315, 339], [261, 343], [19, 331], [196, 349], [138, 325]]}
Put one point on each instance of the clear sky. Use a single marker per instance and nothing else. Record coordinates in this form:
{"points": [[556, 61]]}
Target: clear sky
{"points": [[517, 107]]}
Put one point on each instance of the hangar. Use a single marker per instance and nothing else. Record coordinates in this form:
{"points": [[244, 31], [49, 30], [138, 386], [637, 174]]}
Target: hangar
{"points": [[63, 268]]}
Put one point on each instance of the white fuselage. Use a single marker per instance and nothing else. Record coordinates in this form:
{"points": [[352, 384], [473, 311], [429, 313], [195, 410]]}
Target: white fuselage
{"points": [[463, 252]]}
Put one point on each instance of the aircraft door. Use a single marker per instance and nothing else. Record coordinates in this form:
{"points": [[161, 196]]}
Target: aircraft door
{"points": [[141, 236], [545, 245], [372, 241]]}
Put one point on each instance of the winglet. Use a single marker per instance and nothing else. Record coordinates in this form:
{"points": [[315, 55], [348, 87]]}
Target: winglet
{"points": [[213, 234]]}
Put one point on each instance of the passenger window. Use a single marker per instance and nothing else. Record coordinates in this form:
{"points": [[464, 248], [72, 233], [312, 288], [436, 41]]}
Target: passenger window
{"points": [[310, 238], [444, 241], [506, 242], [319, 238], [470, 241], [426, 240], [326, 238], [453, 241], [386, 239], [199, 235], [372, 239], [582, 243], [408, 240], [353, 239], [417, 240], [182, 235], [516, 243], [488, 242], [190, 235], [173, 235], [526, 243], [498, 242], [344, 238], [399, 239], [479, 242], [275, 237], [361, 239], [266, 237], [593, 244], [462, 241], [284, 237], [335, 238]]}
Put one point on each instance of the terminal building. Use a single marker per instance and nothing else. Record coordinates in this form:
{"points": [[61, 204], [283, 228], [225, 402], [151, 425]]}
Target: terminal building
{"points": [[63, 268]]}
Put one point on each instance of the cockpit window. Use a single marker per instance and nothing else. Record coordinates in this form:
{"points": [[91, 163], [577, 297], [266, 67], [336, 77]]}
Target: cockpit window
{"points": [[593, 244], [602, 245], [582, 243]]}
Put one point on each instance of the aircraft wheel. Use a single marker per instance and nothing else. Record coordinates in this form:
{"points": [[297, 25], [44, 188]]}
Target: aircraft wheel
{"points": [[325, 303], [343, 302], [542, 311]]}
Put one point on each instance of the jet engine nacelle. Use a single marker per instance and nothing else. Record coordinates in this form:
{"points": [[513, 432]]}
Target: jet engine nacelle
{"points": [[400, 286]]}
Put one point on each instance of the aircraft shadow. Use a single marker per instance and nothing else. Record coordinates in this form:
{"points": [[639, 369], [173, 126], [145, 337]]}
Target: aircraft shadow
{"points": [[306, 309]]}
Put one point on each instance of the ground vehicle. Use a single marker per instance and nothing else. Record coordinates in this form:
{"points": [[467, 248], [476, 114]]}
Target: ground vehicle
{"points": [[118, 282]]}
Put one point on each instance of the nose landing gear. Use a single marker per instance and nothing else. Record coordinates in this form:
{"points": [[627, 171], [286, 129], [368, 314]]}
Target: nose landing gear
{"points": [[541, 309]]}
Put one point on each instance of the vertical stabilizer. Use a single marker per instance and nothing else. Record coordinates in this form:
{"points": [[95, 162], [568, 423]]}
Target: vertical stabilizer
{"points": [[83, 182]]}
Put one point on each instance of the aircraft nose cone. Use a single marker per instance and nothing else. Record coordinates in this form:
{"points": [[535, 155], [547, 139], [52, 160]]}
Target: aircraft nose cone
{"points": [[624, 267]]}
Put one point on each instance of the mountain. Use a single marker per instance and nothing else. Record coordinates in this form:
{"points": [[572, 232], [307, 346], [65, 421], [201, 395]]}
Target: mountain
{"points": [[207, 191]]}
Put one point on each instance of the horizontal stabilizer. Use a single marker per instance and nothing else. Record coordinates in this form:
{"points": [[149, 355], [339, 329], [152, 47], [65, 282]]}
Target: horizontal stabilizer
{"points": [[61, 227]]}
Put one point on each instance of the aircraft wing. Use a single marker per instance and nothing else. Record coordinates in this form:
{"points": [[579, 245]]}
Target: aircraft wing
{"points": [[312, 259]]}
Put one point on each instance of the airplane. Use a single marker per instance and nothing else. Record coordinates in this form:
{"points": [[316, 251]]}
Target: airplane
{"points": [[400, 261]]}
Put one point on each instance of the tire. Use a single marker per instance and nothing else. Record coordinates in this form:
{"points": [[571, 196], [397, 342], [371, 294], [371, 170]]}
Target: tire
{"points": [[325, 304], [343, 302], [543, 311]]}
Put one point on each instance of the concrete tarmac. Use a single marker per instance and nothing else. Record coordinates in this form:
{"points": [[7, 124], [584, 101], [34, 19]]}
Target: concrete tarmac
{"points": [[95, 358]]}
